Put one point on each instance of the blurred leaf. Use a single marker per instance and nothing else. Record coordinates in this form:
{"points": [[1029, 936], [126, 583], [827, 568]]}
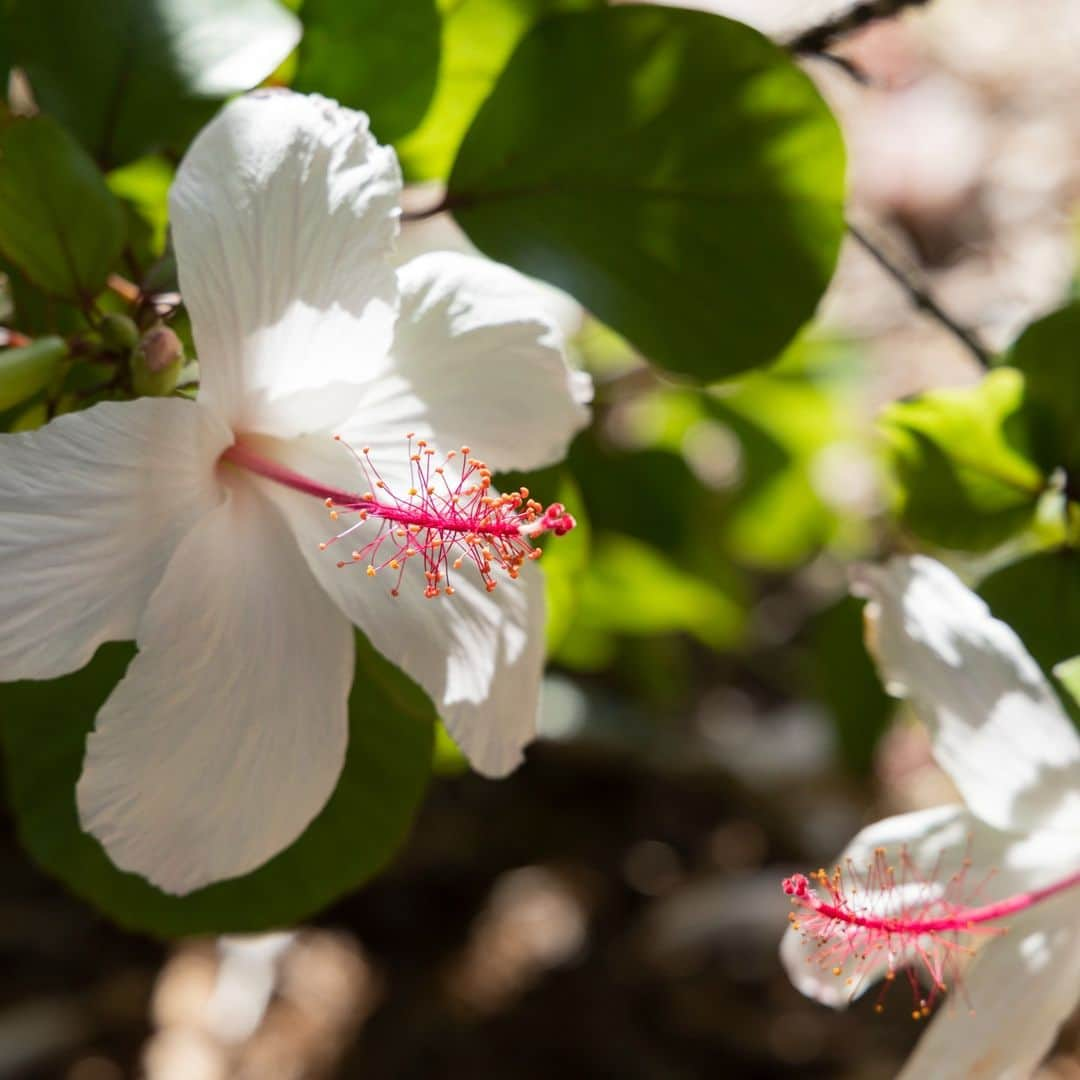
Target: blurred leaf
{"points": [[789, 423], [36, 313], [964, 462], [1048, 353], [1067, 674], [845, 680], [25, 371], [477, 38], [631, 588], [44, 727], [144, 185], [673, 170], [381, 56], [1039, 597], [59, 223], [130, 76]]}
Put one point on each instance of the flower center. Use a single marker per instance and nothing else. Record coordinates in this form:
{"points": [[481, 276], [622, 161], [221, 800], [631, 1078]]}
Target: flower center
{"points": [[449, 517], [923, 925]]}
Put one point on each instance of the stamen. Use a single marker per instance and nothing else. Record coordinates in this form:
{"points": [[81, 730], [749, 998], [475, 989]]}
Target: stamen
{"points": [[925, 925], [443, 521]]}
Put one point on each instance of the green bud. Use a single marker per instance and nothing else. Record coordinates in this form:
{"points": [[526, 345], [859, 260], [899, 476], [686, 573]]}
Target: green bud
{"points": [[156, 363], [118, 332], [28, 369]]}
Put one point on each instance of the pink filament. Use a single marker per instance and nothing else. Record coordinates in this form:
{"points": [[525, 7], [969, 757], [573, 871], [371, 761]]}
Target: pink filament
{"points": [[930, 923], [443, 520]]}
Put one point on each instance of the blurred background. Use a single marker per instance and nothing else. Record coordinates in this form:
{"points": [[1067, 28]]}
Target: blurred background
{"points": [[711, 721]]}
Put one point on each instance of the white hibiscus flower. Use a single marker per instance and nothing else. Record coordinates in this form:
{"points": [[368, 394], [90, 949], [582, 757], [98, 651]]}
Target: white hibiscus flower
{"points": [[193, 527], [930, 890]]}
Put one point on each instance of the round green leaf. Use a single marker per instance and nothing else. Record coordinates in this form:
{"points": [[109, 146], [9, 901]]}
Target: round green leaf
{"points": [[477, 38], [963, 463], [673, 170], [59, 223], [381, 56], [129, 76], [26, 370], [43, 730]]}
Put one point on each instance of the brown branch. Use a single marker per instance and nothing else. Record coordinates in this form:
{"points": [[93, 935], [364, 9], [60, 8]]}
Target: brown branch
{"points": [[922, 299], [817, 39]]}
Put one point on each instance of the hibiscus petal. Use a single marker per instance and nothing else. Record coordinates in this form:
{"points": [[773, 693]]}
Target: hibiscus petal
{"points": [[479, 655], [997, 727], [476, 360], [227, 734], [1021, 987], [283, 214], [937, 841], [94, 504]]}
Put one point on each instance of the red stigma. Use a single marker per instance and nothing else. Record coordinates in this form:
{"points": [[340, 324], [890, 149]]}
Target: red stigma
{"points": [[450, 516]]}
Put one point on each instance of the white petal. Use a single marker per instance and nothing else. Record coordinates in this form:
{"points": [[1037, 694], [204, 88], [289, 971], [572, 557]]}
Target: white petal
{"points": [[1022, 987], [937, 841], [476, 360], [91, 507], [479, 655], [283, 213], [996, 725], [227, 734]]}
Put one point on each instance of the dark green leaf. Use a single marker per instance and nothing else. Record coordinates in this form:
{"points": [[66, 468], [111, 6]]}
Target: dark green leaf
{"points": [[129, 76], [44, 726], [25, 371], [845, 680], [59, 223], [1048, 353], [478, 37], [964, 463], [673, 170], [1039, 597], [381, 56]]}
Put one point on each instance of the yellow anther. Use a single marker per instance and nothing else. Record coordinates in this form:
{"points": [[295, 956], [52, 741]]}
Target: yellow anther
{"points": [[370, 570]]}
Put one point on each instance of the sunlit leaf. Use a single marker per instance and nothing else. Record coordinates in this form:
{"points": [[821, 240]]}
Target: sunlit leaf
{"points": [[477, 38], [59, 223], [964, 463], [43, 726], [130, 76], [674, 171]]}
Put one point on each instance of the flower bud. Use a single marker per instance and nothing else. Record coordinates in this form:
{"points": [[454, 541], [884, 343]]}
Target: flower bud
{"points": [[118, 332], [156, 363]]}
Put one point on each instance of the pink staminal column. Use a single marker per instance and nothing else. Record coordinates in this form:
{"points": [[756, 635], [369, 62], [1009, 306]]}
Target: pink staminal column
{"points": [[450, 516], [884, 921]]}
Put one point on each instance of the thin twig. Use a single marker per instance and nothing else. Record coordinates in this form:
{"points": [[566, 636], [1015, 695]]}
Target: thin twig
{"points": [[921, 298], [818, 38]]}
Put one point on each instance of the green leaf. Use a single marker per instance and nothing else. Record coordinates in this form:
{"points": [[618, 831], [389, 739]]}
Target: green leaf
{"points": [[381, 56], [844, 678], [44, 726], [130, 76], [59, 223], [964, 463], [1067, 674], [673, 170], [144, 184], [26, 370], [477, 39], [1048, 353], [631, 588], [1039, 597]]}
